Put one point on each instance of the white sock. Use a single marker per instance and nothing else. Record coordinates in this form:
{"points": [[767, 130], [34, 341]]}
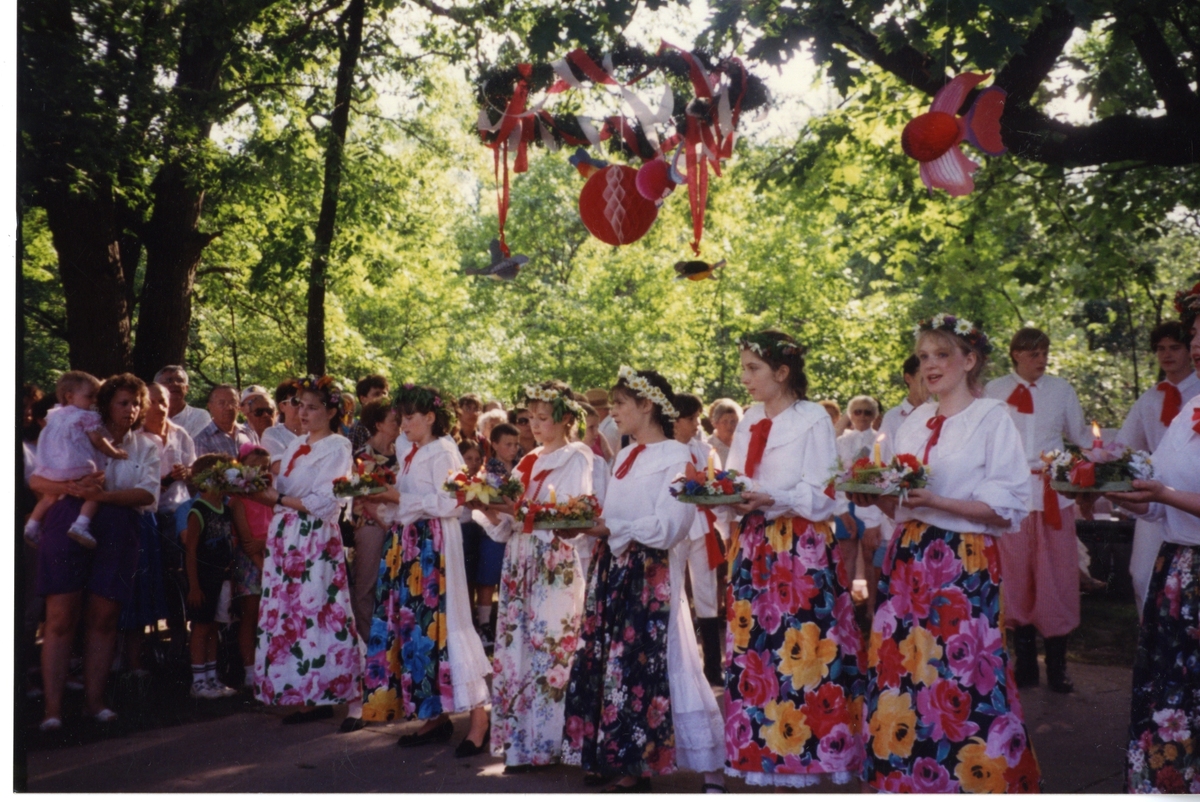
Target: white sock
{"points": [[210, 673], [715, 778], [248, 679], [483, 614], [355, 709], [32, 527], [82, 522], [198, 677]]}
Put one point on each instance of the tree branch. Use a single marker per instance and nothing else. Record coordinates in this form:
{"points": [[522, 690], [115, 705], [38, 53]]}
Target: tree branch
{"points": [[1170, 83], [1025, 71]]}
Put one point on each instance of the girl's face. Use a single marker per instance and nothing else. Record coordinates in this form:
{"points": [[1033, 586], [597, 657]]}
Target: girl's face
{"points": [[944, 366], [761, 382], [541, 423], [418, 427], [262, 461], [686, 428], [124, 410], [314, 417], [389, 427], [156, 410], [83, 396], [473, 460], [630, 414]]}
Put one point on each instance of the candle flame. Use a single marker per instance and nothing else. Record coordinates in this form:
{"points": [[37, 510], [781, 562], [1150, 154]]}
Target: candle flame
{"points": [[1096, 430], [881, 437]]}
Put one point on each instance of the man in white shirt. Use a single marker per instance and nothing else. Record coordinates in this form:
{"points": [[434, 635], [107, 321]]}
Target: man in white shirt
{"points": [[192, 419], [1040, 563], [223, 434], [894, 417], [1145, 426]]}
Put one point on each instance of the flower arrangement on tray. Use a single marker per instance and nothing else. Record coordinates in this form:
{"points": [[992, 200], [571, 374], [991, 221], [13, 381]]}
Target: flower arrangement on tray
{"points": [[1099, 469], [708, 487], [905, 472], [233, 478], [486, 489], [578, 512], [366, 478]]}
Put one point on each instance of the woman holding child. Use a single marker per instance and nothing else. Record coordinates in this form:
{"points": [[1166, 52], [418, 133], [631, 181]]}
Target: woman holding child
{"points": [[541, 590], [67, 569]]}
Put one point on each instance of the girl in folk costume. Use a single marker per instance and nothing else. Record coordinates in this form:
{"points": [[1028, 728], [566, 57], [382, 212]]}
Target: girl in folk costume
{"points": [[541, 590], [424, 657], [942, 711], [794, 684], [307, 650], [1165, 716], [638, 703]]}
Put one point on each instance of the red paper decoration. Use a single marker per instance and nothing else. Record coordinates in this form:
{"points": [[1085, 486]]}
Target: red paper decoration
{"points": [[654, 181], [612, 208]]}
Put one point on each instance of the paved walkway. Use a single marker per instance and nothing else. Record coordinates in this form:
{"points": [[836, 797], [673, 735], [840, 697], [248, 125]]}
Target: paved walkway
{"points": [[1079, 741]]}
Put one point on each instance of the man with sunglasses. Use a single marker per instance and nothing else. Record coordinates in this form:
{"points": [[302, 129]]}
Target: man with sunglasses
{"points": [[519, 417], [257, 409]]}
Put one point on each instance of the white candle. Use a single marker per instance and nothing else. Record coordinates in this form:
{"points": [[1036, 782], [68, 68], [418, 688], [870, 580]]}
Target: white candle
{"points": [[553, 496]]}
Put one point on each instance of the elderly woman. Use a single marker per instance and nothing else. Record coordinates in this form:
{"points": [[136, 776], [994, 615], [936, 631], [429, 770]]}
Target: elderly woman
{"points": [[66, 570]]}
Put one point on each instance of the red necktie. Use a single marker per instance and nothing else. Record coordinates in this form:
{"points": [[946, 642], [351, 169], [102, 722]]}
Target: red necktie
{"points": [[408, 460], [1172, 402], [300, 452], [1196, 418], [628, 463], [935, 425], [759, 433], [1022, 399]]}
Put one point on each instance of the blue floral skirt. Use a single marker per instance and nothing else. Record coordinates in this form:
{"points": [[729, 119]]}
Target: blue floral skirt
{"points": [[942, 714], [1164, 722], [618, 707], [408, 666]]}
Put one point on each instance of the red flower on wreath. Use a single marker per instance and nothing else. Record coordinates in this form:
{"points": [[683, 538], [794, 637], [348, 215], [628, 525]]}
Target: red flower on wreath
{"points": [[910, 462]]}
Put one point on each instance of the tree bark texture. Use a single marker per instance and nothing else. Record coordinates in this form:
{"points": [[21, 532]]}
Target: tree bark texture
{"points": [[350, 34]]}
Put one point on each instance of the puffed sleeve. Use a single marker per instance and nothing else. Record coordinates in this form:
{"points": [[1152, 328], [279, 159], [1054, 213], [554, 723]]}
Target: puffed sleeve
{"points": [[317, 491], [667, 525], [816, 452], [1005, 484], [432, 501]]}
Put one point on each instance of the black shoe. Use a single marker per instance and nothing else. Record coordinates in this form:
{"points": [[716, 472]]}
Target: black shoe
{"points": [[351, 724], [1056, 665], [305, 716], [592, 779], [438, 735], [468, 749], [1025, 651], [641, 786]]}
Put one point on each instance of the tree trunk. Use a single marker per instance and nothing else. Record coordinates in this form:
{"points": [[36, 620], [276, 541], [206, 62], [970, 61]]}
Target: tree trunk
{"points": [[89, 261], [351, 46]]}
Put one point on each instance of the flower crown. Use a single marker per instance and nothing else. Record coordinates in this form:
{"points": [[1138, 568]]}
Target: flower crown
{"points": [[560, 403], [326, 384], [1187, 302], [766, 346], [958, 326], [642, 386]]}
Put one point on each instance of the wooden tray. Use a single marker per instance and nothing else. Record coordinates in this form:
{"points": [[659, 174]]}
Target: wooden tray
{"points": [[710, 501]]}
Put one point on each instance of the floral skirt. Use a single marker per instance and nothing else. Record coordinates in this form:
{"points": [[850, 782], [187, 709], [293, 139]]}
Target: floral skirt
{"points": [[307, 650], [942, 711], [794, 684], [1164, 722], [408, 666], [618, 710], [537, 632]]}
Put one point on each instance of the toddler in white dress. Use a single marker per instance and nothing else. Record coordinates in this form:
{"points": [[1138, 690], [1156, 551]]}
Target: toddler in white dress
{"points": [[68, 449]]}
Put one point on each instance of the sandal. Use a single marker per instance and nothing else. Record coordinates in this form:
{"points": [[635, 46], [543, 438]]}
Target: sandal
{"points": [[51, 724]]}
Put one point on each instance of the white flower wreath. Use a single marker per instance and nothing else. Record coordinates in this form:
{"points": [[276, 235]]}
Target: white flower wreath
{"points": [[642, 386], [554, 398]]}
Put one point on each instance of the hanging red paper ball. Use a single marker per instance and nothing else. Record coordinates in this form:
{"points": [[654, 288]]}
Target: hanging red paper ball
{"points": [[930, 135], [612, 208], [654, 180]]}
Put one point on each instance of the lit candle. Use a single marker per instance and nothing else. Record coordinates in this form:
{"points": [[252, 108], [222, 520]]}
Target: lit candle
{"points": [[878, 454], [712, 473], [553, 496], [1099, 441]]}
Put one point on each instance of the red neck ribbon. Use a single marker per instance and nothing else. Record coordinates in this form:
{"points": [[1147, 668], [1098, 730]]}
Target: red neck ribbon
{"points": [[1022, 399], [759, 433], [623, 470], [1172, 402], [1196, 418], [408, 459], [1050, 512], [525, 468], [300, 452], [532, 492], [935, 426]]}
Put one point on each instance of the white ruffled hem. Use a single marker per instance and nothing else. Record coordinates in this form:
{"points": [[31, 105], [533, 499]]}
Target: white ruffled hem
{"points": [[695, 747], [760, 778], [469, 669]]}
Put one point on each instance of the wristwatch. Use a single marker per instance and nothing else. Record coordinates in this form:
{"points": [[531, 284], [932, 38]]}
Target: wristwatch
{"points": [[279, 500]]}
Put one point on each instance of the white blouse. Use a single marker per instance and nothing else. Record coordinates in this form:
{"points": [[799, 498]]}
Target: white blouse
{"points": [[798, 463], [1175, 462], [312, 475], [422, 496], [176, 449], [276, 439], [978, 457], [570, 474], [139, 472], [1143, 429], [639, 506]]}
